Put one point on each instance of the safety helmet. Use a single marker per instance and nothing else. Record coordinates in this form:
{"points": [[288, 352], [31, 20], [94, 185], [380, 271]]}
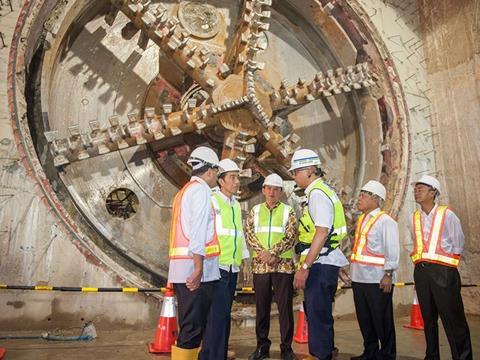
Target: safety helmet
{"points": [[303, 158], [227, 165], [428, 180], [376, 188], [273, 180], [202, 156]]}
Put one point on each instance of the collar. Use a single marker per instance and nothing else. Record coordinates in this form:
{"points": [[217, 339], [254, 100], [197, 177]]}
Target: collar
{"points": [[374, 212], [201, 181], [276, 205], [431, 211], [309, 187], [227, 199]]}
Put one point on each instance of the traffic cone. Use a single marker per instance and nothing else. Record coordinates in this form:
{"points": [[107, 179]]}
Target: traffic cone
{"points": [[2, 353], [166, 333], [416, 319], [301, 333]]}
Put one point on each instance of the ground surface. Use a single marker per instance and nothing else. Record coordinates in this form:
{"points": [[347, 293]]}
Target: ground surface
{"points": [[122, 344]]}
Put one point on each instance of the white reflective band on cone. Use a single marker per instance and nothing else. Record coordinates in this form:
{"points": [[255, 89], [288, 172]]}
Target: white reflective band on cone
{"points": [[168, 307]]}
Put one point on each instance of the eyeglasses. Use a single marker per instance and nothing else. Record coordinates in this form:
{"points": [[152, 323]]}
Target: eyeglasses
{"points": [[296, 171], [368, 193]]}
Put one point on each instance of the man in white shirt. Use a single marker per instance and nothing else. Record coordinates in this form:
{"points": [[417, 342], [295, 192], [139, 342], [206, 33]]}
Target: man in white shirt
{"points": [[318, 275], [374, 259], [229, 228], [194, 251], [438, 243]]}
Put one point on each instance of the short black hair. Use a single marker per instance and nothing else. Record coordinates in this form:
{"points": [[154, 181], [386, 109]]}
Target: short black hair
{"points": [[201, 171], [319, 171]]}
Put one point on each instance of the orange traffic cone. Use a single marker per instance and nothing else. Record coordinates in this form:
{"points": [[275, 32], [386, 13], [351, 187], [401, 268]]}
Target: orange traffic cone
{"points": [[416, 319], [2, 352], [301, 333], [166, 333]]}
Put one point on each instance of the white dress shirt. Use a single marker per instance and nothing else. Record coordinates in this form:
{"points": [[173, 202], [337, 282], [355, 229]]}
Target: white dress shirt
{"points": [[197, 221], [383, 239], [321, 211], [245, 254], [453, 240]]}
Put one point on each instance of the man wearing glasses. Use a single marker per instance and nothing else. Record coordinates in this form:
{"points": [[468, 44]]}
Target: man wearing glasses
{"points": [[194, 251], [324, 228], [438, 242], [374, 258]]}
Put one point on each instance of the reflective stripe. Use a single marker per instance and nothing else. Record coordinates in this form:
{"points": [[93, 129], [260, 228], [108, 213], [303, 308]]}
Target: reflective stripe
{"points": [[360, 251], [267, 229], [219, 223]]}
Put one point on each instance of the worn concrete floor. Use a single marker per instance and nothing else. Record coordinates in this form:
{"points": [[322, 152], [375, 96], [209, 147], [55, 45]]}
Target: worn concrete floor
{"points": [[122, 344]]}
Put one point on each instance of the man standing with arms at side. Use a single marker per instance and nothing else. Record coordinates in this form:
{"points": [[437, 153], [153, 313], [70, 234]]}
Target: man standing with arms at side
{"points": [[229, 228], [438, 242], [375, 256], [194, 251], [324, 226], [271, 233]]}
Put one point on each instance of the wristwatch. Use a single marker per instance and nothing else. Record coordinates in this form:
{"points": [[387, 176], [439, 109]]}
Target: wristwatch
{"points": [[305, 266], [389, 273]]}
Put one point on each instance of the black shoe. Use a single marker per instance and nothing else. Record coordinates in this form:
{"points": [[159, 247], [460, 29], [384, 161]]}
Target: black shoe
{"points": [[259, 354], [288, 355], [360, 357]]}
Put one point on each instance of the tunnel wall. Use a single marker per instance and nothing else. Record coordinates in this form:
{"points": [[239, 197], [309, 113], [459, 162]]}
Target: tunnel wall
{"points": [[450, 30]]}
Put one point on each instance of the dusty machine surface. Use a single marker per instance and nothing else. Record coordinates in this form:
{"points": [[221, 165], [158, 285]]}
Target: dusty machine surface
{"points": [[108, 98]]}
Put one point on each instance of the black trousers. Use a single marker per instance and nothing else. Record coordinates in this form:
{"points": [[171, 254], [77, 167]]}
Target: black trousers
{"points": [[374, 310], [282, 285], [193, 309], [438, 290]]}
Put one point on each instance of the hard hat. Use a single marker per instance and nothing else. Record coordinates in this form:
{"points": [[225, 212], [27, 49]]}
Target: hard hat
{"points": [[376, 188], [273, 180], [227, 165], [202, 156], [428, 180], [303, 158]]}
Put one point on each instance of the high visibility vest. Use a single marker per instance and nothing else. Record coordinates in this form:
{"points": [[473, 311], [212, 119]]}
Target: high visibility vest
{"points": [[306, 229], [360, 252], [228, 225], [270, 226], [430, 250], [178, 248]]}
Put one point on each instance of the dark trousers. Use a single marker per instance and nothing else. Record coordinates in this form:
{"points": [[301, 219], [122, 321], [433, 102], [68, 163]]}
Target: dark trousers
{"points": [[282, 285], [374, 310], [319, 295], [193, 308], [438, 290], [217, 332]]}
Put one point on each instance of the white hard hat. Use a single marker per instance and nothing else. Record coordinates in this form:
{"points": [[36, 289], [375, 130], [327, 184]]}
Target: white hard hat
{"points": [[227, 165], [375, 188], [303, 158], [428, 180], [273, 180], [202, 156]]}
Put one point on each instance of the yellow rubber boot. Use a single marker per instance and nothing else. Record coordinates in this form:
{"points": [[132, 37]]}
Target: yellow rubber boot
{"points": [[184, 354]]}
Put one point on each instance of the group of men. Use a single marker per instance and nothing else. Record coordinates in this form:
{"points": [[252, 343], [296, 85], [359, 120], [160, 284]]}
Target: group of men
{"points": [[208, 248]]}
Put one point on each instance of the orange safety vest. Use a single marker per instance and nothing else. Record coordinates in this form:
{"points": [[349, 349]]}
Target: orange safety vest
{"points": [[178, 241], [360, 252], [431, 250]]}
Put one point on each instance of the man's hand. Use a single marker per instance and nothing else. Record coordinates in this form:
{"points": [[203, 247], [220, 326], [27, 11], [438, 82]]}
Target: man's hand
{"points": [[386, 283], [343, 275], [265, 256], [273, 260], [245, 271], [300, 278], [193, 281]]}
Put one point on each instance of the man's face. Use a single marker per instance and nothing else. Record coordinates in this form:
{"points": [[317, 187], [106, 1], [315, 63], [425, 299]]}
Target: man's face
{"points": [[423, 192], [230, 182], [211, 177], [366, 201], [272, 194], [302, 176]]}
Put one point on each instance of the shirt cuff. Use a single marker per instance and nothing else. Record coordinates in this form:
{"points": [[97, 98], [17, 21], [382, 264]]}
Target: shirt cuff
{"points": [[390, 265]]}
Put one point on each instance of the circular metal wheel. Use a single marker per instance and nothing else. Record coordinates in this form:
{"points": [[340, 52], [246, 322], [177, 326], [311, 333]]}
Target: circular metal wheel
{"points": [[127, 90]]}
